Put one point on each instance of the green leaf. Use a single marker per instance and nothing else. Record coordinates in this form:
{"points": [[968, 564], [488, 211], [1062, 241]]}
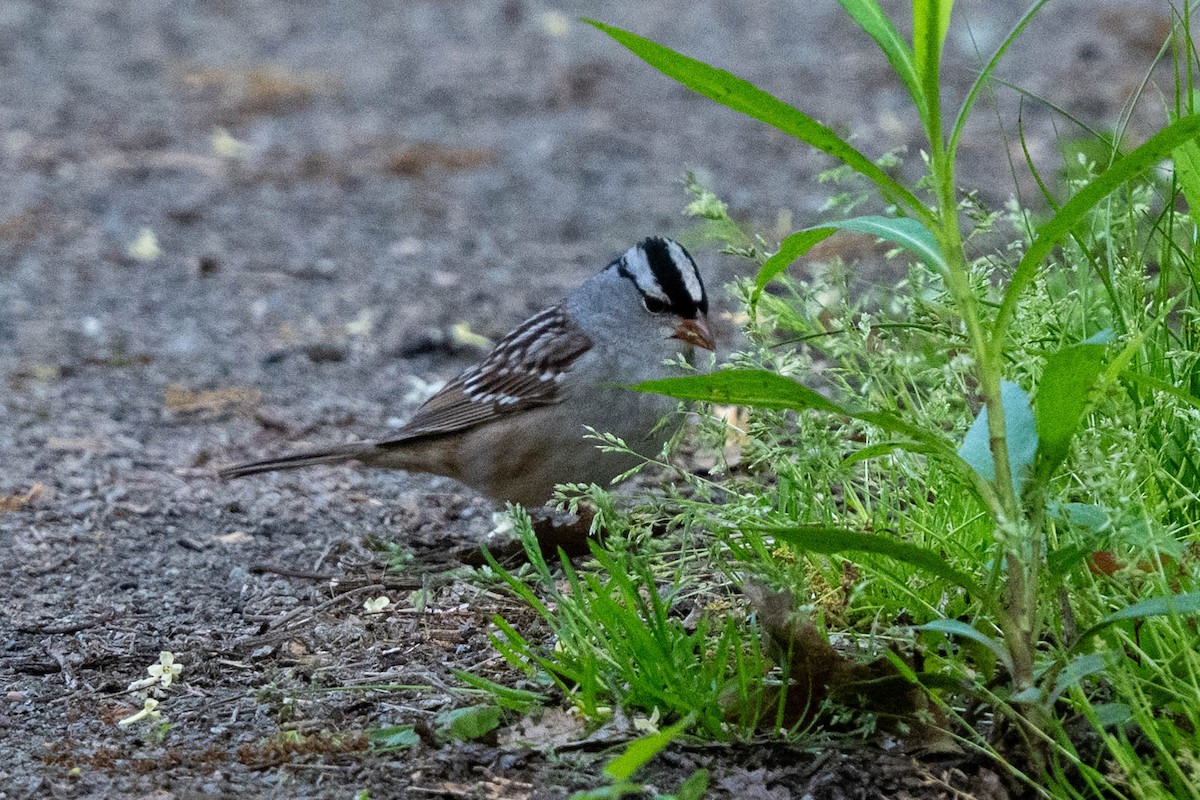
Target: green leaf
{"points": [[904, 232], [790, 249], [468, 723], [1110, 714], [506, 696], [638, 752], [1062, 398], [744, 387], [1153, 150], [1020, 429], [1079, 668], [1166, 605], [1187, 171], [746, 98], [870, 18], [830, 540], [762, 389], [956, 627], [1089, 516], [931, 21], [397, 737], [694, 787]]}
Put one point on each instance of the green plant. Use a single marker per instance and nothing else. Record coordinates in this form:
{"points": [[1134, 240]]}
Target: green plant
{"points": [[1010, 470], [636, 754], [618, 642]]}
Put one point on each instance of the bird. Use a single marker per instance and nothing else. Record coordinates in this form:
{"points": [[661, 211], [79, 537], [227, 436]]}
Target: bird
{"points": [[513, 426]]}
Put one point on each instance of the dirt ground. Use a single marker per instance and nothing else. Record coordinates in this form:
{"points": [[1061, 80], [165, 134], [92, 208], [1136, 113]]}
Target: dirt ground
{"points": [[229, 225]]}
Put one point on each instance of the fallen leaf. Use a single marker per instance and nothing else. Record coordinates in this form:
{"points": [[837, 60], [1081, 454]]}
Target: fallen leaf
{"points": [[259, 89], [545, 729], [422, 157], [16, 501], [179, 400], [818, 671]]}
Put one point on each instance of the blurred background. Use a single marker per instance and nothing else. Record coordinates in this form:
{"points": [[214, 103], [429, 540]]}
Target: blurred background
{"points": [[213, 181]]}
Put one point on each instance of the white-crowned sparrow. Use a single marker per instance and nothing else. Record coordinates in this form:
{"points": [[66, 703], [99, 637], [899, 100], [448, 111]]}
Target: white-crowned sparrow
{"points": [[512, 426]]}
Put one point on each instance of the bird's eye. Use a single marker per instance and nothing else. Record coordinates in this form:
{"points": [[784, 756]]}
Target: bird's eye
{"points": [[654, 305]]}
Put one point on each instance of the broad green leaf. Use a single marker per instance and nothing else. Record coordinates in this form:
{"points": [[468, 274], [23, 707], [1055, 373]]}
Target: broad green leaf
{"points": [[830, 540], [743, 387], [870, 18], [1110, 714], [762, 389], [1154, 607], [640, 751], [790, 249], [1062, 398], [1050, 234], [956, 627], [396, 737], [746, 98], [1021, 431], [1088, 516], [904, 232], [1079, 668], [1187, 171], [468, 723]]}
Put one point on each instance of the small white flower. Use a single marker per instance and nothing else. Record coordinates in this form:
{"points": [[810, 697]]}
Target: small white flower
{"points": [[145, 246], [374, 605], [647, 725], [225, 145], [166, 670], [149, 711], [502, 525]]}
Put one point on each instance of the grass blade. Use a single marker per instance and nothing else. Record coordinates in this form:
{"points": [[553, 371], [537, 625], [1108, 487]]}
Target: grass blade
{"points": [[985, 74], [1154, 607], [956, 627], [1153, 150], [830, 540]]}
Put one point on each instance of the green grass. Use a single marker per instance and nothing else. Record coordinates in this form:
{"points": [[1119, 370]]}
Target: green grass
{"points": [[993, 496]]}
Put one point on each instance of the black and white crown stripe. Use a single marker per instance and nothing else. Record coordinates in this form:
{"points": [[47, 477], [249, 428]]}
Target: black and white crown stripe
{"points": [[662, 270]]}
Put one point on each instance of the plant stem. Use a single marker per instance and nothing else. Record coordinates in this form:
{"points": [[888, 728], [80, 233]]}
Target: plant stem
{"points": [[1016, 611]]}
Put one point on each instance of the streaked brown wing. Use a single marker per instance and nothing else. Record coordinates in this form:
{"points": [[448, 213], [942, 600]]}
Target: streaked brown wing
{"points": [[523, 370]]}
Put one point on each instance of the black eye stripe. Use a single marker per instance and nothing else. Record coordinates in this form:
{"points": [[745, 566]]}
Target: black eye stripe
{"points": [[667, 273], [654, 305]]}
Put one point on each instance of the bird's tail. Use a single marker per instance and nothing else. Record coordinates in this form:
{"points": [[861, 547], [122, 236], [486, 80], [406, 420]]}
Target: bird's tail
{"points": [[306, 458]]}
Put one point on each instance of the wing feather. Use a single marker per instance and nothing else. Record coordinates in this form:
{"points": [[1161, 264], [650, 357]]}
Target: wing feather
{"points": [[522, 371]]}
